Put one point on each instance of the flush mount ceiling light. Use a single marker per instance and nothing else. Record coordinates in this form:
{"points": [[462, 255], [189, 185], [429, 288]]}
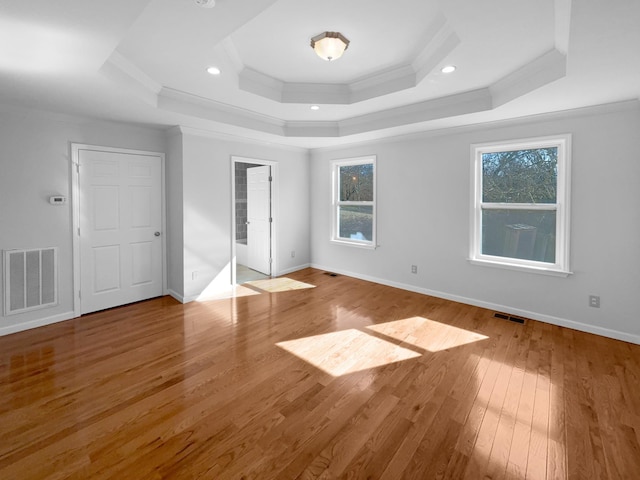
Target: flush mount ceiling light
{"points": [[448, 69], [213, 70], [329, 45], [314, 107]]}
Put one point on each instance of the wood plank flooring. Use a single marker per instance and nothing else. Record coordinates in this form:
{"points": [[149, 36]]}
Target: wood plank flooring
{"points": [[316, 377]]}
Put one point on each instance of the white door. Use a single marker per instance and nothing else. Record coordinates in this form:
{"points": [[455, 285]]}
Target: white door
{"points": [[259, 219], [120, 202]]}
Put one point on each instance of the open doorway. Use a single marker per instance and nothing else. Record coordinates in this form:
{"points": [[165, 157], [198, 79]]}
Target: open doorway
{"points": [[253, 219]]}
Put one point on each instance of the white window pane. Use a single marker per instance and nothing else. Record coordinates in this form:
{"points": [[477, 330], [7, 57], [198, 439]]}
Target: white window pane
{"points": [[355, 222], [522, 234]]}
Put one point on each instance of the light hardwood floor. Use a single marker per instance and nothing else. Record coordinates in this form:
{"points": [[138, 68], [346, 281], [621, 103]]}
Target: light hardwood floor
{"points": [[347, 379]]}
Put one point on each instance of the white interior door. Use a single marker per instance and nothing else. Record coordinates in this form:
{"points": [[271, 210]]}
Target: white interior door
{"points": [[259, 219], [120, 201]]}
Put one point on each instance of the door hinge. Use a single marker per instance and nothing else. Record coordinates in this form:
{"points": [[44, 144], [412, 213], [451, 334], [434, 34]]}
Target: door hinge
{"points": [[270, 219], [270, 261], [78, 231], [78, 167], [79, 295], [270, 178]]}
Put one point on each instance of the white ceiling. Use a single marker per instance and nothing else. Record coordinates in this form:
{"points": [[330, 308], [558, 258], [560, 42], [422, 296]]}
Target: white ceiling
{"points": [[145, 61]]}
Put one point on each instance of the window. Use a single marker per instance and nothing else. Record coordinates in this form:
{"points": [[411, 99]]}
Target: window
{"points": [[354, 204], [520, 214]]}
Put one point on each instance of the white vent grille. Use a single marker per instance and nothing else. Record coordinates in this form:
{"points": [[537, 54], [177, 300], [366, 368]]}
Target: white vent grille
{"points": [[30, 279]]}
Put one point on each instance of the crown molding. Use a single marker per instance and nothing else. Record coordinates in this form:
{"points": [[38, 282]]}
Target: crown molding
{"points": [[602, 109], [122, 71], [443, 41], [543, 70], [439, 41], [12, 112], [449, 106], [200, 107], [562, 17], [227, 137]]}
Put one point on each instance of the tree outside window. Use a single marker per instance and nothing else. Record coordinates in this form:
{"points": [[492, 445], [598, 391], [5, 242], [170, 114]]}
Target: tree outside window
{"points": [[354, 201]]}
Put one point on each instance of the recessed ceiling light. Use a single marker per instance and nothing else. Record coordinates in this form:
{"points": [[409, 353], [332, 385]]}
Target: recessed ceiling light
{"points": [[213, 70], [448, 69], [315, 107]]}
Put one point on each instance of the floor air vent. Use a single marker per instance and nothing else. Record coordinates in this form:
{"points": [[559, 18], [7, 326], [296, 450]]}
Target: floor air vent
{"points": [[30, 279], [331, 274], [511, 318]]}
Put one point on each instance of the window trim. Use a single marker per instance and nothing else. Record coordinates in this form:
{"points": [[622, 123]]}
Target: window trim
{"points": [[561, 207], [336, 203]]}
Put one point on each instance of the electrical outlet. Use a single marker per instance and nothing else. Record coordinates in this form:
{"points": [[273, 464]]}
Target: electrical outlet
{"points": [[414, 269], [293, 253], [594, 301]]}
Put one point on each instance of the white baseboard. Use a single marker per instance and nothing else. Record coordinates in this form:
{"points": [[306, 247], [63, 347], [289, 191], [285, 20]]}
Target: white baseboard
{"points": [[177, 296], [40, 322], [561, 322], [293, 269]]}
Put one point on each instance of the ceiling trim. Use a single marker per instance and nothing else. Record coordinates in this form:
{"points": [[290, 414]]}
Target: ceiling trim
{"points": [[450, 106], [200, 107], [122, 71], [625, 105], [439, 42], [543, 70], [562, 18], [228, 137]]}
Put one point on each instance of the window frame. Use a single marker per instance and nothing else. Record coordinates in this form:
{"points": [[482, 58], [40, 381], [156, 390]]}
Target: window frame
{"points": [[336, 203], [561, 207]]}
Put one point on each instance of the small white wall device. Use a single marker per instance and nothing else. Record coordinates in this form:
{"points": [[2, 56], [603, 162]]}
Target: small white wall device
{"points": [[57, 200]]}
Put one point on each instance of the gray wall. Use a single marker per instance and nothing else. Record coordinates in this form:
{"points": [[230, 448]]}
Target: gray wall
{"points": [[206, 206], [175, 212], [423, 212], [424, 191], [35, 164]]}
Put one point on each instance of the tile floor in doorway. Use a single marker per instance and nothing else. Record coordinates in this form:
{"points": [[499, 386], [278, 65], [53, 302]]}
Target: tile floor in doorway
{"points": [[245, 274]]}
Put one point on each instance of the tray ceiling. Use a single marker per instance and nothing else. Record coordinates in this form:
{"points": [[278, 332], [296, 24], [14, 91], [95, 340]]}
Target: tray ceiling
{"points": [[145, 61]]}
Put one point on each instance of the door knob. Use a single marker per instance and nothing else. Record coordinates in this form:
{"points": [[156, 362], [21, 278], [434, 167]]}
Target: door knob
{"points": [[157, 234]]}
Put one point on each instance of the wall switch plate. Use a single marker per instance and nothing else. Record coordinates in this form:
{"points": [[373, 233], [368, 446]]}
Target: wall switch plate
{"points": [[594, 301]]}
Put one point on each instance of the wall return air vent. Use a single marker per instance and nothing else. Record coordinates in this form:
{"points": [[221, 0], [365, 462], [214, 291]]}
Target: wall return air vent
{"points": [[30, 279]]}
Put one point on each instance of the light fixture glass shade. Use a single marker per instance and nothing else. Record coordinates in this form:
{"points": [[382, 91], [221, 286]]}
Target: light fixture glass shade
{"points": [[329, 45]]}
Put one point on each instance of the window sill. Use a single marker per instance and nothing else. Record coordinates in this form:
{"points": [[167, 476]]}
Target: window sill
{"points": [[521, 268], [366, 246]]}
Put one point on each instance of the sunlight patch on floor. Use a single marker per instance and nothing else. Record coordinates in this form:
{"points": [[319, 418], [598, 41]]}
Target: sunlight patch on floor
{"points": [[346, 351], [427, 334], [230, 292], [275, 285], [218, 290]]}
